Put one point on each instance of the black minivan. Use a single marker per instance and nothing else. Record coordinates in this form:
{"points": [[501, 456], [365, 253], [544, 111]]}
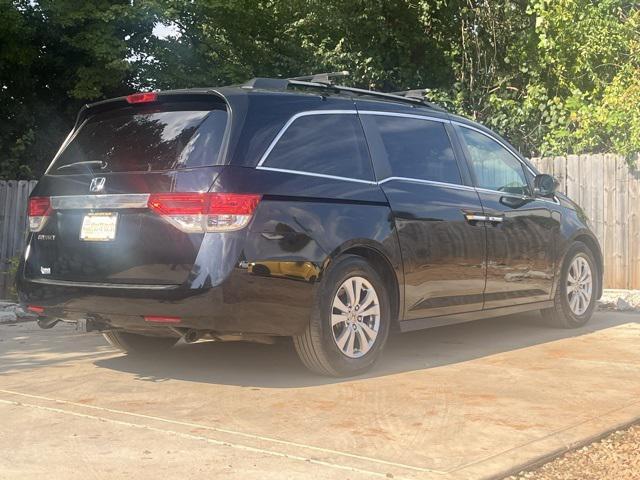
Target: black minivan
{"points": [[289, 208]]}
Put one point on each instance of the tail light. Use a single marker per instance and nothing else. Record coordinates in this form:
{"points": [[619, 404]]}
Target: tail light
{"points": [[39, 212], [205, 212]]}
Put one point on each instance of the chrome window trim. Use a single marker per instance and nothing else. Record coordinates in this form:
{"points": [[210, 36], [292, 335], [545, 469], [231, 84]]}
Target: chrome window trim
{"points": [[108, 201], [260, 165], [274, 142], [338, 112], [433, 183], [404, 115], [319, 175]]}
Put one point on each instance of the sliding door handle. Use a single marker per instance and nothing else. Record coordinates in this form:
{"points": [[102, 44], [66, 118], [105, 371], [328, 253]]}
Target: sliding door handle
{"points": [[475, 217], [478, 217]]}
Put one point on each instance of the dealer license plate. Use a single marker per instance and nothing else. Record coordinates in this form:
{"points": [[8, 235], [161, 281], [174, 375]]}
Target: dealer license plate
{"points": [[99, 227]]}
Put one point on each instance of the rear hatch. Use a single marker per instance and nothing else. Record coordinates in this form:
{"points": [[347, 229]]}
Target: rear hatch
{"points": [[90, 215]]}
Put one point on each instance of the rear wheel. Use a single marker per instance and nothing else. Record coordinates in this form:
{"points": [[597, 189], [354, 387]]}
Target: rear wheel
{"points": [[349, 324], [575, 298], [132, 343]]}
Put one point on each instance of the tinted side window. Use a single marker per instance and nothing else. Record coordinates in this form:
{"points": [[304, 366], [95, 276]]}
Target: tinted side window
{"points": [[495, 167], [331, 144], [415, 148]]}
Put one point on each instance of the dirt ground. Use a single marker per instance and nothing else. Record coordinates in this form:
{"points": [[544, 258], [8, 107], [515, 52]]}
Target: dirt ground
{"points": [[615, 457]]}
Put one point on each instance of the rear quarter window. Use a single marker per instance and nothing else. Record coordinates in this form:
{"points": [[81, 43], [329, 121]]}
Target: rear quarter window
{"points": [[137, 141], [327, 144]]}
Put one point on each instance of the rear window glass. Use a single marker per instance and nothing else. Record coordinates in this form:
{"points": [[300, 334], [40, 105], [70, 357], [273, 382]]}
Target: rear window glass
{"points": [[415, 148], [331, 144], [139, 141]]}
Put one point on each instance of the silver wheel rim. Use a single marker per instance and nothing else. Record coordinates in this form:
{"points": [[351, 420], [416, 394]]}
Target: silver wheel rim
{"points": [[579, 285], [355, 317]]}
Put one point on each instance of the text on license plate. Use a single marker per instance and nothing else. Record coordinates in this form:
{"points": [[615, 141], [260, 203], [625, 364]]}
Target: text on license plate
{"points": [[99, 227]]}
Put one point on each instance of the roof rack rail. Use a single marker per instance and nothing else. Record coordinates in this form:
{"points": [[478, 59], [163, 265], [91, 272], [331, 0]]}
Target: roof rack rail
{"points": [[324, 78], [325, 83]]}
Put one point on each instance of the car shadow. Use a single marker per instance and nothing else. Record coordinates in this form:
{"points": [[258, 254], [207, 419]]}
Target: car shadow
{"points": [[277, 366], [25, 346]]}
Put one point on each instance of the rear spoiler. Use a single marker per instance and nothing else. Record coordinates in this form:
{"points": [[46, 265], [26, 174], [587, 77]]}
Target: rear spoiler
{"points": [[168, 96]]}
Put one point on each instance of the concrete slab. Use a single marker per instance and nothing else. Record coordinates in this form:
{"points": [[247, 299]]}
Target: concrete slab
{"points": [[462, 402]]}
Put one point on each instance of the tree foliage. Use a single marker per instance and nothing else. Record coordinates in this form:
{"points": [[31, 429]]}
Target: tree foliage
{"points": [[554, 76]]}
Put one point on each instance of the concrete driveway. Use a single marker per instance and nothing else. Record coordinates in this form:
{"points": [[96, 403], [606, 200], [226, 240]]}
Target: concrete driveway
{"points": [[467, 401]]}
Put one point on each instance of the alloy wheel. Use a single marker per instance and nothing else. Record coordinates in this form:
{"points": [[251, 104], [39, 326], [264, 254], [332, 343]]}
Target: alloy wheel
{"points": [[579, 285], [355, 317]]}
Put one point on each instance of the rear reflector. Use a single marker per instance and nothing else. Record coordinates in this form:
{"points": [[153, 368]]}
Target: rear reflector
{"points": [[39, 212], [205, 212], [144, 97], [35, 309], [162, 319]]}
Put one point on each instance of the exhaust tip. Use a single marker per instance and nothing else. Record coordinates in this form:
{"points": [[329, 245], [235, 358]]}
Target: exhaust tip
{"points": [[191, 336], [46, 322]]}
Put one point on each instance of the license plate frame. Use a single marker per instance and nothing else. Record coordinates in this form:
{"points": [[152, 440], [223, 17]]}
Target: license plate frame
{"points": [[99, 227]]}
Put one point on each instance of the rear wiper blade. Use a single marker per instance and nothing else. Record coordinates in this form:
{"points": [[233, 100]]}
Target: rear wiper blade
{"points": [[87, 163]]}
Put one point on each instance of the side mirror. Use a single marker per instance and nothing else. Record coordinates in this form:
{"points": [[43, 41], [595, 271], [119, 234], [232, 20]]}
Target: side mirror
{"points": [[544, 185]]}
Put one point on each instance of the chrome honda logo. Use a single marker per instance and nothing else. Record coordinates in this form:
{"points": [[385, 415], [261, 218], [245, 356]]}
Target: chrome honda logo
{"points": [[97, 184]]}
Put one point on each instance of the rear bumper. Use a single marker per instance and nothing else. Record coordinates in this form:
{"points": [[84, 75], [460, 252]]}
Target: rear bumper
{"points": [[243, 303]]}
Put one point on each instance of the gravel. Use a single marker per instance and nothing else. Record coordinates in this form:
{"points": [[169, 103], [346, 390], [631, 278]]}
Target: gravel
{"points": [[621, 300], [615, 457], [12, 313]]}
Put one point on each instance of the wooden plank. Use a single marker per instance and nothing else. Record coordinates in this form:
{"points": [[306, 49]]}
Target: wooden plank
{"points": [[560, 172], [621, 215], [608, 219], [573, 177], [6, 234], [597, 194], [633, 230]]}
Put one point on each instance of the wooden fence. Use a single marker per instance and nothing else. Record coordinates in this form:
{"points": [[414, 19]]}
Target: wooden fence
{"points": [[13, 223], [604, 185], [609, 193]]}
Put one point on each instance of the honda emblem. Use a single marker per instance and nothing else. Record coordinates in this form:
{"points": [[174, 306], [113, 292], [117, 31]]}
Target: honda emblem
{"points": [[97, 184]]}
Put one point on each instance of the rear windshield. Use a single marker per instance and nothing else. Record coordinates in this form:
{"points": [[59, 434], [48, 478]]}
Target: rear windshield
{"points": [[131, 140]]}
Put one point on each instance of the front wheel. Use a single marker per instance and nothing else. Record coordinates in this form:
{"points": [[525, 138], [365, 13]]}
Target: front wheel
{"points": [[132, 343], [350, 321], [575, 298]]}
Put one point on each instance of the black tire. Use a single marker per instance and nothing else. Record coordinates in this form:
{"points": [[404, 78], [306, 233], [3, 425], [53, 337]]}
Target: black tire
{"points": [[316, 347], [135, 344], [561, 315]]}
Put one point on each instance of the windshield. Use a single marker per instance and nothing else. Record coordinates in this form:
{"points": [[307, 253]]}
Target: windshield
{"points": [[139, 141]]}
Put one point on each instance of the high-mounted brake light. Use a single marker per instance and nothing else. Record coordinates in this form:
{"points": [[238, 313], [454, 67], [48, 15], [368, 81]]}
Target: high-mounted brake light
{"points": [[143, 97], [205, 212], [39, 212]]}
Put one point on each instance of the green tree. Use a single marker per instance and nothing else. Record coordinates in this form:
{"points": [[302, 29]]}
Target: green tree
{"points": [[57, 55]]}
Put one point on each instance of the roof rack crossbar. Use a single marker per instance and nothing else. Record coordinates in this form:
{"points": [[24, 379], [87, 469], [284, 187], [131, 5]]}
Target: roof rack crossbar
{"points": [[418, 94]]}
